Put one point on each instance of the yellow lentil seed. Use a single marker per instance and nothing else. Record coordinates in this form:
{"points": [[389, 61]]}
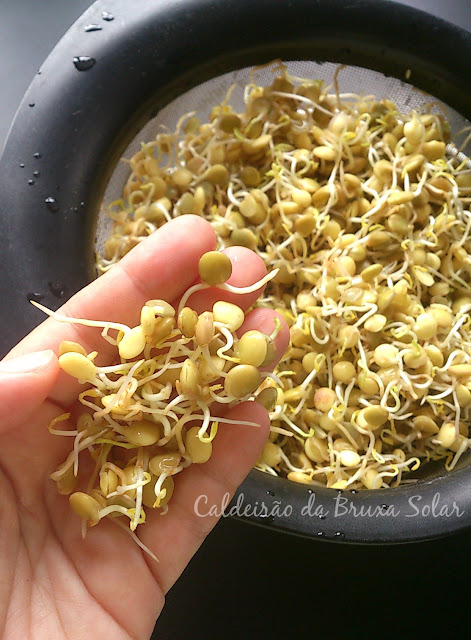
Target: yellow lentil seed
{"points": [[132, 343], [349, 458], [148, 492], [460, 370], [370, 273], [164, 463], [435, 355], [324, 399], [463, 395], [244, 238], [187, 320], [385, 355], [316, 449], [189, 378], [229, 314], [367, 383], [309, 361], [375, 323], [442, 316], [345, 266], [305, 225], [446, 435], [375, 415], [214, 268], [348, 336], [204, 330], [252, 210], [142, 433], [425, 424], [270, 454], [344, 371], [217, 174], [85, 506], [108, 481], [415, 357], [299, 477], [199, 452], [252, 348], [242, 380], [369, 479], [425, 326], [78, 366], [147, 320]]}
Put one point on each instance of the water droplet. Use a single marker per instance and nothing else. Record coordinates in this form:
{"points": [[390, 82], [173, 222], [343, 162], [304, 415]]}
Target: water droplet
{"points": [[36, 174], [52, 204], [31, 104], [57, 289], [310, 491], [22, 165], [353, 491], [92, 27], [30, 182], [83, 63], [320, 534], [36, 155], [384, 506], [105, 15], [82, 204], [322, 517], [339, 534], [37, 297], [270, 493]]}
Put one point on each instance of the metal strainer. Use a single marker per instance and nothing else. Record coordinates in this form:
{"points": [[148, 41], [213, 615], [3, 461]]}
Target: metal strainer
{"points": [[202, 98]]}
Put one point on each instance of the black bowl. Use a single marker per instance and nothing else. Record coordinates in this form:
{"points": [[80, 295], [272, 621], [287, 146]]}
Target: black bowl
{"points": [[91, 97]]}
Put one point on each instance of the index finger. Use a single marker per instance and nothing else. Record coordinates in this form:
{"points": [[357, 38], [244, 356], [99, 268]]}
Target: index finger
{"points": [[163, 266]]}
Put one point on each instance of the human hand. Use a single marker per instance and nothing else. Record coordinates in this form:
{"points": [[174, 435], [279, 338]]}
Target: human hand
{"points": [[53, 584]]}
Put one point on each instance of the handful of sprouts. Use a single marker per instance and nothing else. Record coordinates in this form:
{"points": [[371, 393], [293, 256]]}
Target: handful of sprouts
{"points": [[156, 409], [364, 212]]}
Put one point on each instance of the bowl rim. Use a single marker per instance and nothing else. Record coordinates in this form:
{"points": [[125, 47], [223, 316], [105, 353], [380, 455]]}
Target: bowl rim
{"points": [[81, 122]]}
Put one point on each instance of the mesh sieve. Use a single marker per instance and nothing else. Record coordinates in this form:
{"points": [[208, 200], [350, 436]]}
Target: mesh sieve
{"points": [[203, 97], [352, 79]]}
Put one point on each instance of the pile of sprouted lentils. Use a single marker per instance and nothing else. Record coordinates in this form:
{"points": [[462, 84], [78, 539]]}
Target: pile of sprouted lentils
{"points": [[361, 215], [151, 409]]}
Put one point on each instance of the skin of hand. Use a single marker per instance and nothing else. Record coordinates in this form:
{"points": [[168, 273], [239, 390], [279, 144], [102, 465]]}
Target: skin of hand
{"points": [[53, 584]]}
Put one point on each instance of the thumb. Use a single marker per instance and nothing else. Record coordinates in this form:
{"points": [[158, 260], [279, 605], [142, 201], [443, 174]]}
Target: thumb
{"points": [[25, 383]]}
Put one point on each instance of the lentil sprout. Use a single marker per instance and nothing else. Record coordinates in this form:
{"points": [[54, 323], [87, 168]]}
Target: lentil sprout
{"points": [[364, 212], [140, 410]]}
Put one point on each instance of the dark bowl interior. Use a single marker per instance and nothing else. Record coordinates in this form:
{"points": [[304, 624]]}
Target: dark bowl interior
{"points": [[76, 119]]}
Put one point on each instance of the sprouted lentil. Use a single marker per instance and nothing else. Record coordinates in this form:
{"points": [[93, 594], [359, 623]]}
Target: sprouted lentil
{"points": [[365, 213], [169, 373]]}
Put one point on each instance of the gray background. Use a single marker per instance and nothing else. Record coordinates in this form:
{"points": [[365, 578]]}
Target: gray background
{"points": [[247, 582]]}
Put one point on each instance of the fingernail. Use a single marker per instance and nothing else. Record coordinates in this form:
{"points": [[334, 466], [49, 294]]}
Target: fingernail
{"points": [[27, 363]]}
